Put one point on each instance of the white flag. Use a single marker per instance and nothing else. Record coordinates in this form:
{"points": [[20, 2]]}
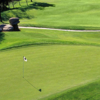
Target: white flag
{"points": [[24, 59]]}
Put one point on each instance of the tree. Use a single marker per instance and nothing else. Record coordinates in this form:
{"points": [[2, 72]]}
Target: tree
{"points": [[5, 3]]}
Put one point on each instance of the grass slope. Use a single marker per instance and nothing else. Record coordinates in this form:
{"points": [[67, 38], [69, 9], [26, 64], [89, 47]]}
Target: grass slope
{"points": [[52, 68], [68, 14], [35, 36], [87, 92]]}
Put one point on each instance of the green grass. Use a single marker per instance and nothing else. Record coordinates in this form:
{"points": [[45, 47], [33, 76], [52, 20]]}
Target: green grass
{"points": [[52, 68], [35, 36], [86, 92], [68, 14], [67, 61], [62, 64]]}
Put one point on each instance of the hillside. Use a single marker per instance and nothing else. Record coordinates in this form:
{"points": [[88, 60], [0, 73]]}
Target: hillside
{"points": [[64, 65], [27, 37], [68, 14]]}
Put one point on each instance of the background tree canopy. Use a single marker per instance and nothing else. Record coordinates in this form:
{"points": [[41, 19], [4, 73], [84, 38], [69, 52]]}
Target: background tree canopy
{"points": [[5, 3]]}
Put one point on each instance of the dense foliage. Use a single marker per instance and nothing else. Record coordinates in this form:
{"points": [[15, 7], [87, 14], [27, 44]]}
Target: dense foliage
{"points": [[5, 3]]}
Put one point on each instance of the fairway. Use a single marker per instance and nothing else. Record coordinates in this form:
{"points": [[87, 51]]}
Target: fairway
{"points": [[66, 14], [61, 65], [53, 68]]}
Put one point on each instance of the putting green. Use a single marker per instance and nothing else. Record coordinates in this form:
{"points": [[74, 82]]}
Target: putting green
{"points": [[52, 68], [67, 14]]}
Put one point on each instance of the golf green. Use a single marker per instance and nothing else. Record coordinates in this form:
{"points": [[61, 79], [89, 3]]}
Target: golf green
{"points": [[52, 68]]}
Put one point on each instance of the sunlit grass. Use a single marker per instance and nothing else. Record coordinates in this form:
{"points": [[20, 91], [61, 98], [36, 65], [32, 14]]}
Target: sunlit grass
{"points": [[67, 14], [27, 37], [53, 68]]}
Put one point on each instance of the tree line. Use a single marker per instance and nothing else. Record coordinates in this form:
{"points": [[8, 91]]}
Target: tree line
{"points": [[5, 5]]}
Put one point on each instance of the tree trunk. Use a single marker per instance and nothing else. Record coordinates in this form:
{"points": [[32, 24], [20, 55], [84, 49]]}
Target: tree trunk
{"points": [[0, 15], [13, 3]]}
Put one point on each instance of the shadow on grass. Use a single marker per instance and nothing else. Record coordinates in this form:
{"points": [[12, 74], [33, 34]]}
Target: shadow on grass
{"points": [[77, 27], [43, 5], [25, 45], [33, 85], [2, 35], [37, 5], [20, 12]]}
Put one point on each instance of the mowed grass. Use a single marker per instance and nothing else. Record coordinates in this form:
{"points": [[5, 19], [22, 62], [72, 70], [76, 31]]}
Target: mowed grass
{"points": [[68, 14], [87, 92], [67, 61], [53, 68], [35, 37]]}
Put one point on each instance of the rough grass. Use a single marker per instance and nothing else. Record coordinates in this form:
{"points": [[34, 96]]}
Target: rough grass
{"points": [[68, 14], [35, 36], [87, 92]]}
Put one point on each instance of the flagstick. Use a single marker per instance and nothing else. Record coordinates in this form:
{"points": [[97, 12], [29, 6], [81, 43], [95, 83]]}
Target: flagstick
{"points": [[24, 59], [23, 68]]}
